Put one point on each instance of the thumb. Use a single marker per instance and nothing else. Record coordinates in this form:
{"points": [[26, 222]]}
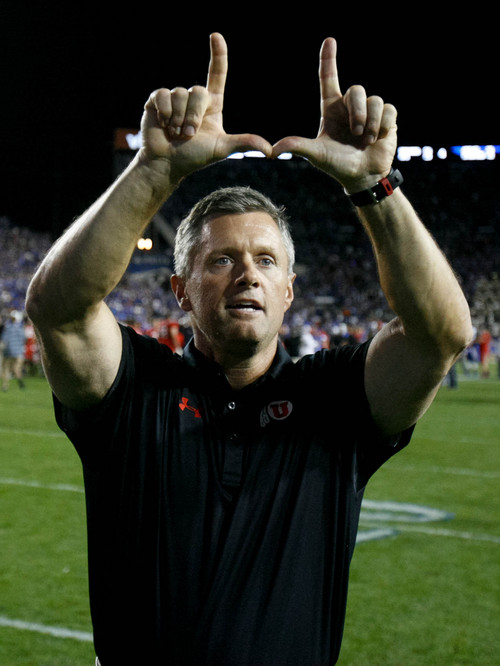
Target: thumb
{"points": [[234, 143], [296, 145]]}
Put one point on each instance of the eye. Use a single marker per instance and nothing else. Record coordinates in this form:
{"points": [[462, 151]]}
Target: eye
{"points": [[222, 261], [266, 261]]}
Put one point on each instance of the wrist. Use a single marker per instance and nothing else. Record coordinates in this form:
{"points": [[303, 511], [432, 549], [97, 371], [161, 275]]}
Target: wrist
{"points": [[157, 173], [360, 183], [374, 191], [157, 168]]}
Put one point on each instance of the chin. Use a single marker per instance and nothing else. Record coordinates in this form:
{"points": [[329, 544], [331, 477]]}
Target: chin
{"points": [[251, 342], [243, 342]]}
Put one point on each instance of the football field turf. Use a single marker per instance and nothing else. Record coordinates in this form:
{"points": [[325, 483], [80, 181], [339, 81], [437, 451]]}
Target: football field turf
{"points": [[425, 579]]}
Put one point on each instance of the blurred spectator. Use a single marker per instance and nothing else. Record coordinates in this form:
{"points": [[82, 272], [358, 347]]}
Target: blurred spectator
{"points": [[32, 361], [484, 342], [167, 332], [13, 344], [308, 343]]}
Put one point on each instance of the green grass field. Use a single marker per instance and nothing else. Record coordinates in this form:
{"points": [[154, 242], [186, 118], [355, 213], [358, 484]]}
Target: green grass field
{"points": [[425, 581]]}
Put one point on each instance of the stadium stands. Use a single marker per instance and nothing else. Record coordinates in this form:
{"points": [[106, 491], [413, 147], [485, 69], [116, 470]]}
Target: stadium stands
{"points": [[337, 291]]}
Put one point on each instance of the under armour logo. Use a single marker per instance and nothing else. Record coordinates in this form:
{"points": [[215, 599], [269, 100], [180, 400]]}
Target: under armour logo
{"points": [[278, 410], [184, 405]]}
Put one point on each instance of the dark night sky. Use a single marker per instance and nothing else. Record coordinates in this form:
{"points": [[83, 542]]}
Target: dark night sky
{"points": [[69, 75]]}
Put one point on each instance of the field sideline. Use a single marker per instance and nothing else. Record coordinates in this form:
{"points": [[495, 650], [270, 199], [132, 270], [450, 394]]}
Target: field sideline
{"points": [[425, 581]]}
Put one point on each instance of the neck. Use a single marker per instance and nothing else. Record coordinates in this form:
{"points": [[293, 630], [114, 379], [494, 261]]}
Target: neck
{"points": [[242, 374], [242, 364]]}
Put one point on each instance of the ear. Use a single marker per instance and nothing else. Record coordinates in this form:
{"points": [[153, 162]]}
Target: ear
{"points": [[179, 288], [289, 291]]}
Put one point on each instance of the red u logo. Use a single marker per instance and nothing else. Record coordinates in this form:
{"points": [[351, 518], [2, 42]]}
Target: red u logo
{"points": [[280, 409]]}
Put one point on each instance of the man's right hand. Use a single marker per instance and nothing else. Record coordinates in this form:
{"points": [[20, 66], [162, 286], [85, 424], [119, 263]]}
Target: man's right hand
{"points": [[182, 129], [79, 337]]}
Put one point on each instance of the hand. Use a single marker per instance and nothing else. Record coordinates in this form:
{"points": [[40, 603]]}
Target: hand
{"points": [[357, 137], [183, 128]]}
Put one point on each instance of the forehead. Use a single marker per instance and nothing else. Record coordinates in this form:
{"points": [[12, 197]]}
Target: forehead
{"points": [[241, 229]]}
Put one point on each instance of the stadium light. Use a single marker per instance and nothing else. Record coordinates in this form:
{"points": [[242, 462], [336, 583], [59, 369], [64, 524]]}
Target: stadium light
{"points": [[476, 153], [405, 153], [134, 140], [144, 244], [427, 154]]}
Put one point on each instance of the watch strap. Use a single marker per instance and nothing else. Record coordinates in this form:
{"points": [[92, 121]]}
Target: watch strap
{"points": [[375, 194]]}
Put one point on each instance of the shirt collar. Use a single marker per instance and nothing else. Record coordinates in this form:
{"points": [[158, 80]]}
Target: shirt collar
{"points": [[209, 369]]}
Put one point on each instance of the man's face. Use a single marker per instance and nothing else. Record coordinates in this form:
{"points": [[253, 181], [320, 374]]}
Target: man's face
{"points": [[239, 288]]}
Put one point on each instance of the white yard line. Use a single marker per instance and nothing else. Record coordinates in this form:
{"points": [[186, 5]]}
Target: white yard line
{"points": [[43, 486], [33, 433], [439, 531], [437, 469], [58, 632]]}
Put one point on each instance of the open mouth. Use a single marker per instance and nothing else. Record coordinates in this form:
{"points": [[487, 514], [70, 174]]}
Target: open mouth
{"points": [[245, 306]]}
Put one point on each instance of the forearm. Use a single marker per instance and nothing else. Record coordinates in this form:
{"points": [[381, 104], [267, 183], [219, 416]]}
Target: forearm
{"points": [[416, 278], [90, 258]]}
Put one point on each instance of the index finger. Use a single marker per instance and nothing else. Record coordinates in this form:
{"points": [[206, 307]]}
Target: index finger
{"points": [[217, 70], [328, 74]]}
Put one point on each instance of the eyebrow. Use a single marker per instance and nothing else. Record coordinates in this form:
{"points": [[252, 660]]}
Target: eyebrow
{"points": [[232, 250]]}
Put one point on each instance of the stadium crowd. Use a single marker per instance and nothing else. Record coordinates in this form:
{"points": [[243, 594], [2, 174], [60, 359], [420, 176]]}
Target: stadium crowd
{"points": [[337, 295]]}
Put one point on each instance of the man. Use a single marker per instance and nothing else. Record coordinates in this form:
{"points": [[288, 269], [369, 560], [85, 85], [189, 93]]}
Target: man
{"points": [[224, 487], [13, 342]]}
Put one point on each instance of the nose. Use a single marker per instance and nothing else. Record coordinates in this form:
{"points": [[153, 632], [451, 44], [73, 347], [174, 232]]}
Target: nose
{"points": [[247, 274]]}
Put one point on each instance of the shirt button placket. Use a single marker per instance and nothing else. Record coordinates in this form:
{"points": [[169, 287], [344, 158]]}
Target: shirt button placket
{"points": [[233, 459]]}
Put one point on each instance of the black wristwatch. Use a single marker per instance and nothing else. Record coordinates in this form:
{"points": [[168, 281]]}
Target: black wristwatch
{"points": [[375, 194]]}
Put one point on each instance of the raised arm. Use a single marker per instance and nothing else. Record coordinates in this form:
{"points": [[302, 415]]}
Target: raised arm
{"points": [[409, 357], [182, 131]]}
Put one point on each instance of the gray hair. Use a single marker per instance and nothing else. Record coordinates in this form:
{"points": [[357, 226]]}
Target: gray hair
{"points": [[226, 201]]}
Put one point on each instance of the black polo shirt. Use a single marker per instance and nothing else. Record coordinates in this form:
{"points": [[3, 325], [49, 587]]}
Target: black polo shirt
{"points": [[221, 523]]}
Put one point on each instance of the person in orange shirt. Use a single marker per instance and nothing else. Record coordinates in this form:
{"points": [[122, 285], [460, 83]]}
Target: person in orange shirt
{"points": [[484, 341]]}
